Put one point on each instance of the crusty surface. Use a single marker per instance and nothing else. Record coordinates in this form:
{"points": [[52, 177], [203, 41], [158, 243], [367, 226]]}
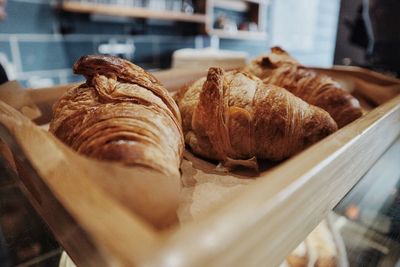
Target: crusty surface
{"points": [[121, 113], [317, 89], [235, 118]]}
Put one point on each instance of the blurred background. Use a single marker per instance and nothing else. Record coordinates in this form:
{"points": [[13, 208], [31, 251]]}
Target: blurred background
{"points": [[41, 39]]}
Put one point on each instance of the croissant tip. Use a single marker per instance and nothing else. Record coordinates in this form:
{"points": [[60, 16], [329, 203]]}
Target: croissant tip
{"points": [[97, 59], [77, 64], [82, 61], [266, 62], [278, 50], [217, 70], [214, 72]]}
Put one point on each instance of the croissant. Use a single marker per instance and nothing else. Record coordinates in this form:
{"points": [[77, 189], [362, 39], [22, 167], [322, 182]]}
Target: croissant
{"points": [[234, 117], [122, 113], [317, 89]]}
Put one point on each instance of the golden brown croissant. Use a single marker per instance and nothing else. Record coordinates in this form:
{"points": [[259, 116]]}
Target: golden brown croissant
{"points": [[317, 89], [122, 113], [234, 117]]}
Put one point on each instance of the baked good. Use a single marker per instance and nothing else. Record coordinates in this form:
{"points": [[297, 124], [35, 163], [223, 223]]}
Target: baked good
{"points": [[300, 256], [319, 249], [122, 113], [281, 69], [322, 241], [234, 117]]}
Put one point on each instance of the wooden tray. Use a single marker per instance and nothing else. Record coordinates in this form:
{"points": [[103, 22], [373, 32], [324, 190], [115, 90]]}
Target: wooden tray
{"points": [[97, 213]]}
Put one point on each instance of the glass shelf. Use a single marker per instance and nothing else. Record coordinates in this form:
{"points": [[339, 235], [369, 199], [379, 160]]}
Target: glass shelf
{"points": [[369, 215]]}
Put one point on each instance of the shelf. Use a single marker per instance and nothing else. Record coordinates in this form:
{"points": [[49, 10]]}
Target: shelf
{"points": [[256, 13], [237, 34], [134, 12], [239, 6], [138, 12], [260, 2]]}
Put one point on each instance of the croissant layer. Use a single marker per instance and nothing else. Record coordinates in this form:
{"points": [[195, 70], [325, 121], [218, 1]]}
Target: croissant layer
{"points": [[235, 118], [317, 89], [121, 113]]}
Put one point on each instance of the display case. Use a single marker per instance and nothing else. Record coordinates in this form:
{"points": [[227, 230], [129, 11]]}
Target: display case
{"points": [[368, 217], [80, 199]]}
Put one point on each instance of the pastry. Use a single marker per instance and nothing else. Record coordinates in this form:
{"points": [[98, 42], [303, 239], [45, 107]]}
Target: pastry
{"points": [[235, 118], [319, 249], [300, 257], [122, 113], [281, 69]]}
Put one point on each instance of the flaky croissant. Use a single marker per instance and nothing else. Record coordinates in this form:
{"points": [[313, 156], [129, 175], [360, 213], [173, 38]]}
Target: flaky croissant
{"points": [[235, 118], [317, 89], [122, 113]]}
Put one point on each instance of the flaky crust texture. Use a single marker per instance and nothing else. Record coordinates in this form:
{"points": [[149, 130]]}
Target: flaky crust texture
{"points": [[122, 113], [317, 89], [235, 118]]}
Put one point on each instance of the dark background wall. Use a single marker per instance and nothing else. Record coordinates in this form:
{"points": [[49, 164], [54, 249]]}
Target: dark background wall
{"points": [[351, 32], [369, 35]]}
